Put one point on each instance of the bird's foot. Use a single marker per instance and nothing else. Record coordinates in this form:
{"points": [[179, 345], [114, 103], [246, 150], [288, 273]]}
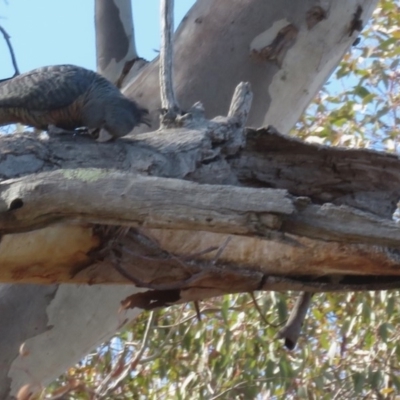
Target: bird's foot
{"points": [[104, 136], [55, 130]]}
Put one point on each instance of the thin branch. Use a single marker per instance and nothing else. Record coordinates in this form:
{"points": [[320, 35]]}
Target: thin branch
{"points": [[197, 309], [235, 387], [282, 284], [129, 365], [114, 370], [146, 338], [10, 48], [258, 308], [168, 100], [160, 346], [291, 331]]}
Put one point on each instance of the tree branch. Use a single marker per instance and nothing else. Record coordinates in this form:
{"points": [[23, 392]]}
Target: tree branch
{"points": [[10, 48], [168, 99], [291, 331], [163, 203], [137, 201]]}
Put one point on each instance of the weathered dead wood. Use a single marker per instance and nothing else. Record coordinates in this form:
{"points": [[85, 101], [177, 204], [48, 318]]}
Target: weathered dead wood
{"points": [[364, 179], [358, 184], [212, 153], [116, 198]]}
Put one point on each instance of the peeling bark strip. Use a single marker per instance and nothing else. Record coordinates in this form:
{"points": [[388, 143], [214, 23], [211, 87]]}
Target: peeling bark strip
{"points": [[356, 23], [277, 49], [151, 299], [314, 15]]}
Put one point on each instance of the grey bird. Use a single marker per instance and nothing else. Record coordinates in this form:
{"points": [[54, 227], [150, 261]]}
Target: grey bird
{"points": [[67, 97]]}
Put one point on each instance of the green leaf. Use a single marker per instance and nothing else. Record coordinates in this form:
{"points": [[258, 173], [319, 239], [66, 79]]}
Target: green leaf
{"points": [[358, 381], [302, 392], [282, 309], [383, 331], [374, 379], [361, 91], [390, 305]]}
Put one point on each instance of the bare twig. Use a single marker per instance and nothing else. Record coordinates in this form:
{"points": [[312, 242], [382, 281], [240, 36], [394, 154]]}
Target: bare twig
{"points": [[235, 387], [168, 100], [282, 284], [291, 331], [160, 346], [103, 386], [10, 48], [262, 314], [130, 365], [197, 308]]}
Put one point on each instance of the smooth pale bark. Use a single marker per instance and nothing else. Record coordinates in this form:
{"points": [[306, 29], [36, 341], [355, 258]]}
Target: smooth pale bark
{"points": [[69, 322], [220, 43], [116, 54]]}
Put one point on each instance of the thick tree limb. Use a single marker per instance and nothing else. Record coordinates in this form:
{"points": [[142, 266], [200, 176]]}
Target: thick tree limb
{"points": [[208, 152], [160, 203], [363, 179], [37, 201]]}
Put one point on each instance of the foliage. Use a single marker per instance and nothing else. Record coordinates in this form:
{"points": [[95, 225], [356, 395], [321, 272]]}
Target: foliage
{"points": [[349, 348], [360, 105]]}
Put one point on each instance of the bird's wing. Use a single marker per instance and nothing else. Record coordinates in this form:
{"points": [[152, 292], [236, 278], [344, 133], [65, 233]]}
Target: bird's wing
{"points": [[47, 88]]}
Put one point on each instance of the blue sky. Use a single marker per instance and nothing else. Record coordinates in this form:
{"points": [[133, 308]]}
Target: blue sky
{"points": [[46, 32]]}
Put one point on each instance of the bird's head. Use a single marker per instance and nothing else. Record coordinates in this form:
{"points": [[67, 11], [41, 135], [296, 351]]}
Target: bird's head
{"points": [[123, 116]]}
